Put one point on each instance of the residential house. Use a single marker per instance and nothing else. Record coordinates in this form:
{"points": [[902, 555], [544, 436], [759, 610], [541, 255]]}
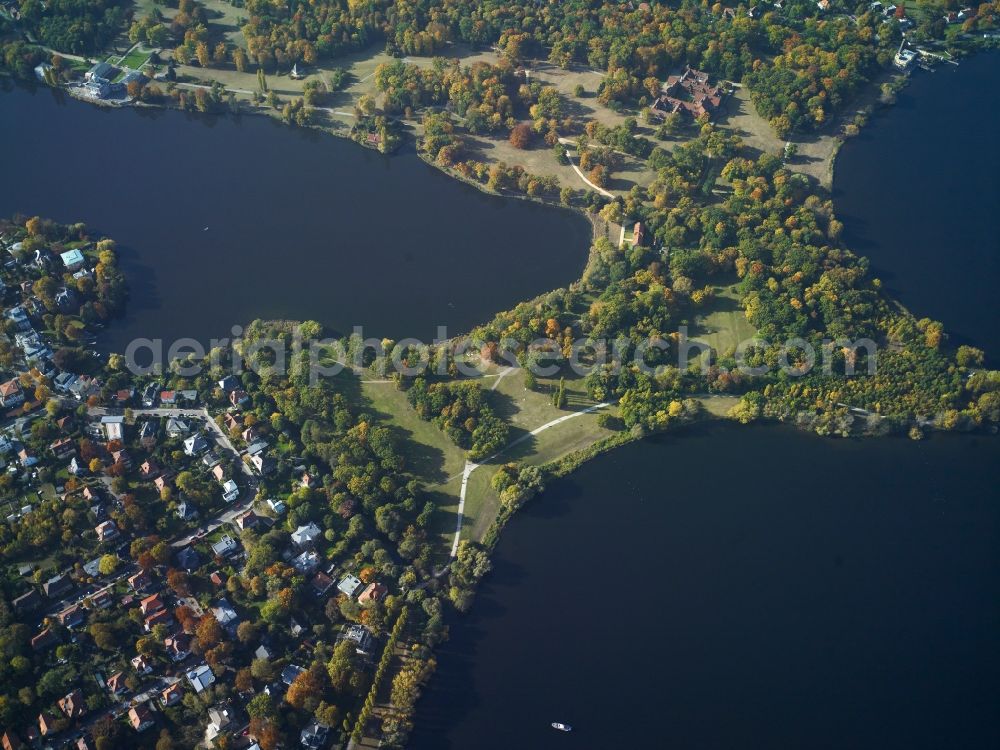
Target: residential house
{"points": [[83, 387], [76, 467], [229, 383], [73, 705], [321, 583], [262, 463], [188, 559], [360, 636], [306, 562], [140, 717], [289, 673], [66, 300], [168, 398], [307, 480], [10, 741], [149, 469], [100, 70], [225, 547], [141, 664], [28, 602], [373, 592], [150, 394], [232, 420], [250, 434], [116, 684], [178, 426], [219, 472], [306, 536], [102, 599], [218, 578], [163, 617], [63, 381], [107, 531], [638, 234], [72, 616], [114, 427], [45, 639], [278, 507], [314, 736], [239, 398], [57, 586], [147, 434], [122, 458], [11, 395], [210, 459], [256, 447], [62, 448], [178, 647], [349, 585], [46, 724], [230, 491], [220, 719], [248, 520], [163, 481], [195, 445], [172, 695], [200, 677], [152, 604], [185, 511], [140, 581], [226, 616]]}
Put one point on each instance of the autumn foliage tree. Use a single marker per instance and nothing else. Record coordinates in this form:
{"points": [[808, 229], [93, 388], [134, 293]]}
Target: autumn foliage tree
{"points": [[521, 135]]}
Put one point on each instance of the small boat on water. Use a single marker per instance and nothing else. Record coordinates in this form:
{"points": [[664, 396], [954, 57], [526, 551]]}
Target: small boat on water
{"points": [[562, 727]]}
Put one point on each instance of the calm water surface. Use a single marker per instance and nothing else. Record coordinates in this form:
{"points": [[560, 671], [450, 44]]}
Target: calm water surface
{"points": [[919, 193], [737, 588], [224, 220]]}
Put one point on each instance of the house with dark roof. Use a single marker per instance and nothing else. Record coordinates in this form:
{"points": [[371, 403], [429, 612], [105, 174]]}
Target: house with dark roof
{"points": [[28, 602], [688, 93], [73, 705], [188, 559], [57, 586], [45, 639]]}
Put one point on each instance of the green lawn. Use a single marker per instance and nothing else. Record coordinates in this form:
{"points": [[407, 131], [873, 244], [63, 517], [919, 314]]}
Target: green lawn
{"points": [[134, 60], [723, 325]]}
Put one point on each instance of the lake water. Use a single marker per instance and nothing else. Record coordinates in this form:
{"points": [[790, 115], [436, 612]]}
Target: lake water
{"points": [[223, 220], [919, 193], [729, 588]]}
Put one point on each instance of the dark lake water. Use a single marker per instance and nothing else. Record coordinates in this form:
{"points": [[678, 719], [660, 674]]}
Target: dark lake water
{"points": [[919, 193], [299, 224], [731, 588]]}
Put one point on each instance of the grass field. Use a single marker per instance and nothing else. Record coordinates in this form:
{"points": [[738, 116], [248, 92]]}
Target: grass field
{"points": [[527, 411], [135, 59], [723, 326]]}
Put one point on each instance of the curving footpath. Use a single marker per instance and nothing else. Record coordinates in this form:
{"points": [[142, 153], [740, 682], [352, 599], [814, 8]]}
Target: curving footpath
{"points": [[470, 466]]}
